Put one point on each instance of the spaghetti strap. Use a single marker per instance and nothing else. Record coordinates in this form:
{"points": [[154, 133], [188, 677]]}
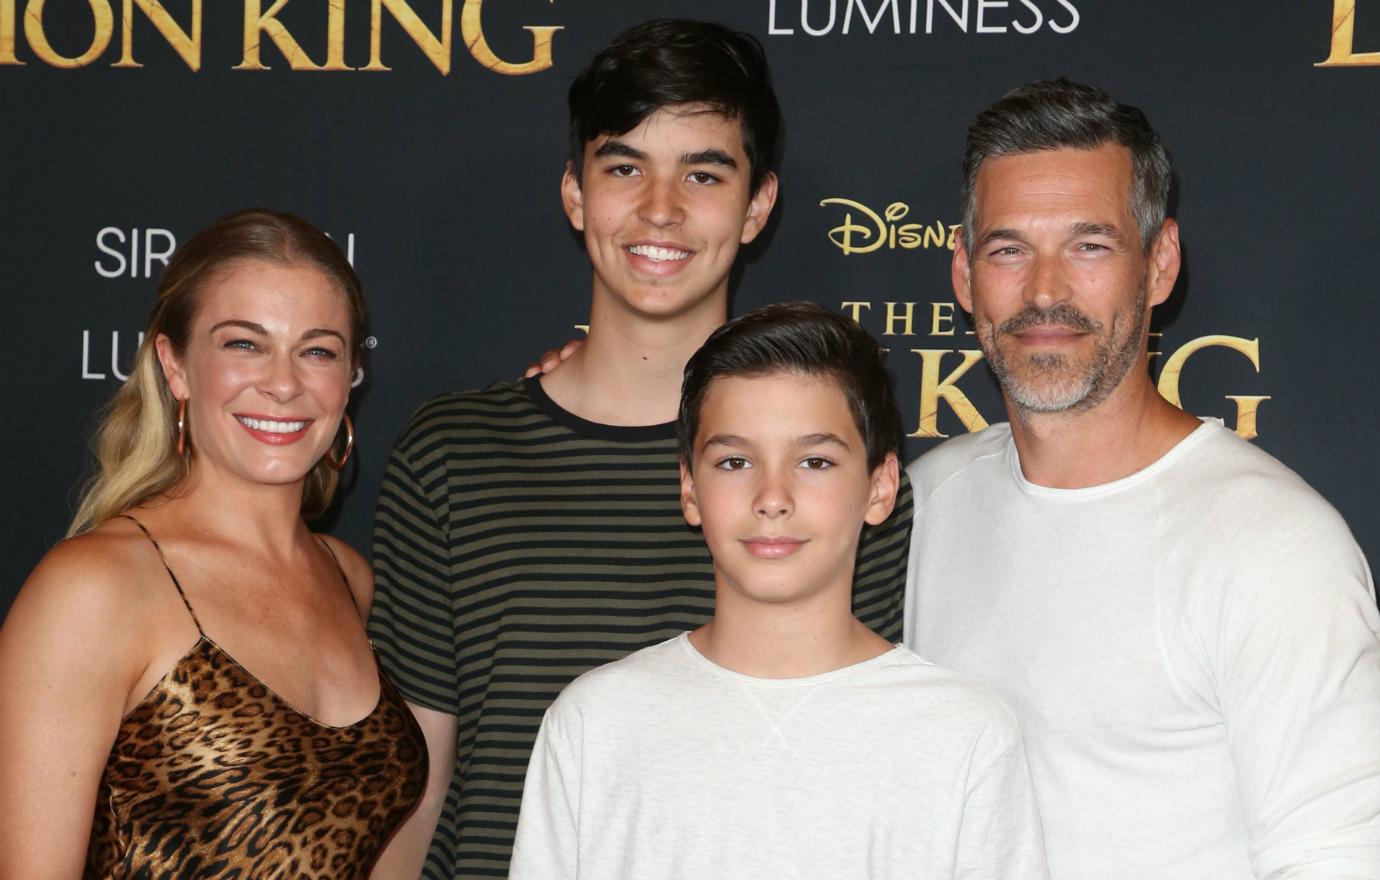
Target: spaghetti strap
{"points": [[163, 559], [343, 578]]}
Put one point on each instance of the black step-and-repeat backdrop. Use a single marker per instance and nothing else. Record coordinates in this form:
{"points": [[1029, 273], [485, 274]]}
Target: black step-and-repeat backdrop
{"points": [[427, 136]]}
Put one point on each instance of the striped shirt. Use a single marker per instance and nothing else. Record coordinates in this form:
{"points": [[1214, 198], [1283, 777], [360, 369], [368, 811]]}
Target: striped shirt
{"points": [[517, 546]]}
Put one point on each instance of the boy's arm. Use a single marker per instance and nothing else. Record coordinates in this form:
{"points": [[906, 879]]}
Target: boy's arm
{"points": [[879, 581], [1000, 837], [547, 846], [412, 628]]}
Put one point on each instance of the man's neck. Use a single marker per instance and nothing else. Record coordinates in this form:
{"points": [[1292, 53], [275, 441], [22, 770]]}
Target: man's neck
{"points": [[786, 641], [1124, 434], [629, 370]]}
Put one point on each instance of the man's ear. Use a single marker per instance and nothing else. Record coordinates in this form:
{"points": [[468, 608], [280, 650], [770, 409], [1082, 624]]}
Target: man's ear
{"points": [[1163, 263], [886, 482], [173, 370], [961, 274], [573, 198], [759, 208], [689, 507]]}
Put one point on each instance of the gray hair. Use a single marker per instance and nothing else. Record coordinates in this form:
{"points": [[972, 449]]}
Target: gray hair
{"points": [[1056, 113]]}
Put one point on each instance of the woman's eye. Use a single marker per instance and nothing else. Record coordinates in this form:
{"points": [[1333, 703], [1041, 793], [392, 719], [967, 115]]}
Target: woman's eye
{"points": [[323, 353], [241, 344]]}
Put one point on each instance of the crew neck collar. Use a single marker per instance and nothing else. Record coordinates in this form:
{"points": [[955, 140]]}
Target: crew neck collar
{"points": [[886, 658], [596, 430], [1163, 463]]}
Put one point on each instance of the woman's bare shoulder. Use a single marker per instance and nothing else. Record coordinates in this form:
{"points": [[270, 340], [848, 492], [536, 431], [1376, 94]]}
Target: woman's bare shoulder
{"points": [[99, 573], [357, 571]]}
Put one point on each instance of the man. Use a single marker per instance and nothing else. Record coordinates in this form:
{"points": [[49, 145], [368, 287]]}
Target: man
{"points": [[784, 738], [531, 531], [1187, 632]]}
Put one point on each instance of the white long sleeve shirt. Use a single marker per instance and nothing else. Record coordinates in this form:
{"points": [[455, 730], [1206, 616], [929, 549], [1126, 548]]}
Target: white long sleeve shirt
{"points": [[1192, 652]]}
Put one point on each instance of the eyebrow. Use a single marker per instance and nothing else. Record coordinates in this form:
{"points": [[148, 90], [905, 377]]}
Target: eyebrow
{"points": [[1104, 229], [1078, 228], [615, 147], [712, 156], [822, 438], [995, 234], [314, 333], [709, 157]]}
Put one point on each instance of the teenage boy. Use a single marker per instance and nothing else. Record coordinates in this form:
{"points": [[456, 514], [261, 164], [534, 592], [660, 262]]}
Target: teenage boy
{"points": [[531, 531], [783, 738]]}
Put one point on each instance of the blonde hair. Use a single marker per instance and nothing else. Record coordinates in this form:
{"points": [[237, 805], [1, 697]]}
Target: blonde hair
{"points": [[135, 443]]}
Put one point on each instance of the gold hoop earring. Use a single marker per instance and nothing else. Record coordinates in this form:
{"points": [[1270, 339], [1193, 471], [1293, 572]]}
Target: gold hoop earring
{"points": [[182, 427], [338, 463]]}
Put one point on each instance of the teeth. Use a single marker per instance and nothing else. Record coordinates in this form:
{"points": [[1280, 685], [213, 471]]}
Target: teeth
{"points": [[659, 254], [272, 427]]}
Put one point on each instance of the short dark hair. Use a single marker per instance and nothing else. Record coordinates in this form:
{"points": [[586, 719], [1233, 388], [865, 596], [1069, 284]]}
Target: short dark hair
{"points": [[1056, 113], [669, 62], [797, 337]]}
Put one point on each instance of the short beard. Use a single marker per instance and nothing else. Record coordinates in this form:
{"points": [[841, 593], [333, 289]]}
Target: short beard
{"points": [[1044, 390]]}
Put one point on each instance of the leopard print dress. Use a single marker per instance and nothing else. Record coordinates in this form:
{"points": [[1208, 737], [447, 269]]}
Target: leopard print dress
{"points": [[213, 775]]}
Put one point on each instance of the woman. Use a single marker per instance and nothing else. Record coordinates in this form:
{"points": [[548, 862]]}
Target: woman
{"points": [[190, 668]]}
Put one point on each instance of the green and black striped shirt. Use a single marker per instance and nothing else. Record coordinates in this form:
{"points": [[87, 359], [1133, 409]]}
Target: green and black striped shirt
{"points": [[517, 546]]}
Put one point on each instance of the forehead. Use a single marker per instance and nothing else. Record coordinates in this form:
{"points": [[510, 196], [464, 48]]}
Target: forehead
{"points": [[680, 128], [786, 402], [1093, 184], [273, 294]]}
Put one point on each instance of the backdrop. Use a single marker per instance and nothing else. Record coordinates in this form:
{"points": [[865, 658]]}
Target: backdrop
{"points": [[427, 136]]}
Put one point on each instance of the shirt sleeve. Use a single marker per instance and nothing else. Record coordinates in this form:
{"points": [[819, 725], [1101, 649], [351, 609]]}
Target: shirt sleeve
{"points": [[879, 582], [411, 622], [547, 846], [1298, 669], [1000, 837]]}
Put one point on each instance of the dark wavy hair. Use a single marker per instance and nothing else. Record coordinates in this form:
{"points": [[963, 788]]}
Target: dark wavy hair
{"points": [[797, 337], [670, 62]]}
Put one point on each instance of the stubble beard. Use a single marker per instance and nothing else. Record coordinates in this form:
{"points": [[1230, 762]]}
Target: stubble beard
{"points": [[1054, 382]]}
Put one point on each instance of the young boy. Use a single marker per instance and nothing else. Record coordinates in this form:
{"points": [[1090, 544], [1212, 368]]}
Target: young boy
{"points": [[783, 738], [531, 531]]}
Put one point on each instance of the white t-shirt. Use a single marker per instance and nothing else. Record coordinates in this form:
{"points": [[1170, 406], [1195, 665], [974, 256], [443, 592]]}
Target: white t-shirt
{"points": [[664, 765], [1192, 652]]}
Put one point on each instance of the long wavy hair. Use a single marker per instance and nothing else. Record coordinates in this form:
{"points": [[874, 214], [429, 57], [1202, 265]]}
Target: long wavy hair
{"points": [[135, 444]]}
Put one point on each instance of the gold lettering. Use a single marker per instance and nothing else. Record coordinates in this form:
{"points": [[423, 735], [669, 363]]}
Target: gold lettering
{"points": [[935, 234], [472, 32], [856, 307], [1246, 405], [941, 314], [38, 40], [7, 55], [846, 231], [437, 50], [1344, 39], [953, 231], [188, 46], [933, 389], [907, 319], [335, 36], [257, 23], [874, 231]]}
